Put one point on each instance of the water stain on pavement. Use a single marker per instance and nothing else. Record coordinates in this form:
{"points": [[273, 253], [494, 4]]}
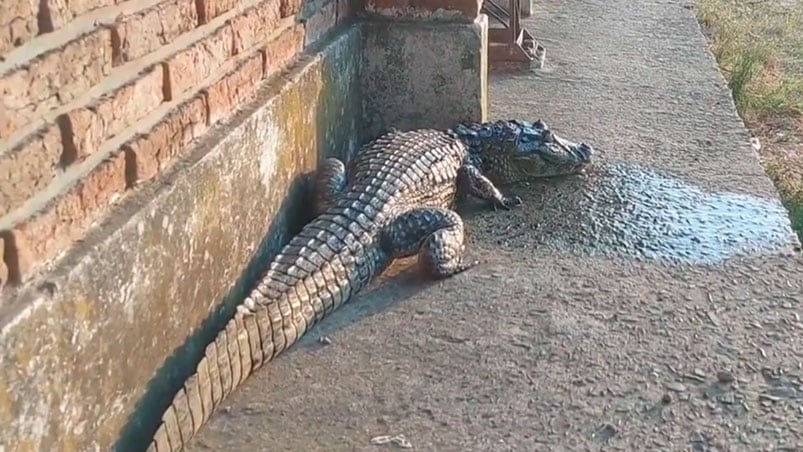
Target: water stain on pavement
{"points": [[637, 212]]}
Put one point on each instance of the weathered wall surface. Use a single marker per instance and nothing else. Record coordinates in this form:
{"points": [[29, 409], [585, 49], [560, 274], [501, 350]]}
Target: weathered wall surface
{"points": [[423, 73], [182, 185]]}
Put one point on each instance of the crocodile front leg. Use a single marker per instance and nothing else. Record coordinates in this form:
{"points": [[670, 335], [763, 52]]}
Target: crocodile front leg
{"points": [[330, 181], [437, 235], [471, 181]]}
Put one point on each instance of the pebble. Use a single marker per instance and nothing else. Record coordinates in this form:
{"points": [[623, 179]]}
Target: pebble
{"points": [[606, 432], [325, 340], [676, 387], [769, 398], [725, 377], [728, 398]]}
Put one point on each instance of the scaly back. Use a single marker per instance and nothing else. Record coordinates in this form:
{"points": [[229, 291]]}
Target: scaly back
{"points": [[410, 168]]}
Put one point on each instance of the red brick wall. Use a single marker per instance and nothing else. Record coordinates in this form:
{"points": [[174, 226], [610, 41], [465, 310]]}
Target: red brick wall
{"points": [[99, 96]]}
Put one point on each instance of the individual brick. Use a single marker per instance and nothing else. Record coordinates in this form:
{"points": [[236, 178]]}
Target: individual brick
{"points": [[50, 232], [209, 9], [29, 167], [225, 95], [290, 7], [187, 68], [141, 33], [254, 25], [280, 52], [457, 9], [86, 128], [320, 22], [17, 23], [57, 13], [149, 154], [52, 79]]}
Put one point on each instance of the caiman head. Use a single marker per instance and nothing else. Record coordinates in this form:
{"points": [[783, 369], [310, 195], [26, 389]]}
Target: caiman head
{"points": [[513, 151]]}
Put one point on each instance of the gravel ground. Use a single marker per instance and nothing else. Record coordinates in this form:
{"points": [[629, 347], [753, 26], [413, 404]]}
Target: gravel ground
{"points": [[653, 304]]}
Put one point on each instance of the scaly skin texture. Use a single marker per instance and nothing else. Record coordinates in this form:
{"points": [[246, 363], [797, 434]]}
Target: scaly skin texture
{"points": [[394, 200]]}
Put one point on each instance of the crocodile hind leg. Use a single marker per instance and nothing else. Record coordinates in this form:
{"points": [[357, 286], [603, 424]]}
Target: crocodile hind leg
{"points": [[437, 235], [329, 183], [472, 182]]}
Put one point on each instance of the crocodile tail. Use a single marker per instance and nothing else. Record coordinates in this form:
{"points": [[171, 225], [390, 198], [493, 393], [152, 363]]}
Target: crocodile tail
{"points": [[237, 351]]}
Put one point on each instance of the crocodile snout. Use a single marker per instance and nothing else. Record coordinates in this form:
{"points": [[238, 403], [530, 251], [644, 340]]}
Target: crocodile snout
{"points": [[584, 151]]}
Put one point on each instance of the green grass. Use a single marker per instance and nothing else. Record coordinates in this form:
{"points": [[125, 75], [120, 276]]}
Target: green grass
{"points": [[795, 207], [786, 176], [758, 45]]}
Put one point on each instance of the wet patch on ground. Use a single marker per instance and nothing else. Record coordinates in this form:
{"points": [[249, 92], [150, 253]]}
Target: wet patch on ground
{"points": [[636, 212]]}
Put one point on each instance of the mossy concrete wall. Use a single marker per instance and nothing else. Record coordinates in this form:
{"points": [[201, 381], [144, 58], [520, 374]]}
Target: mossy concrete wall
{"points": [[91, 354]]}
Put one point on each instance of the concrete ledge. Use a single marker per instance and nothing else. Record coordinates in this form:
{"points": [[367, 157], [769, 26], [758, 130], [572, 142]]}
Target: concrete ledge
{"points": [[439, 10], [424, 74], [77, 354]]}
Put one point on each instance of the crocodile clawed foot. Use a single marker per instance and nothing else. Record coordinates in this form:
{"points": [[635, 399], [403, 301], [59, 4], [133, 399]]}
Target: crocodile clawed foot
{"points": [[508, 202], [448, 273], [464, 266]]}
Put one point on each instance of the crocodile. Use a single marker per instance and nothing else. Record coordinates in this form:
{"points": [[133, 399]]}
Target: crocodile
{"points": [[394, 200]]}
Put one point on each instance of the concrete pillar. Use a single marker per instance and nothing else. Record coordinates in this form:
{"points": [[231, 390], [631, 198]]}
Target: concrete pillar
{"points": [[438, 54]]}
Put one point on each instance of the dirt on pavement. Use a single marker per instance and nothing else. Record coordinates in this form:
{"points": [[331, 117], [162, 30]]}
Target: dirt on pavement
{"points": [[653, 304]]}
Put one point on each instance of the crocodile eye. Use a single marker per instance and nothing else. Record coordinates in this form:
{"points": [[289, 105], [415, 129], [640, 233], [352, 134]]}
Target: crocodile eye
{"points": [[462, 129], [547, 136]]}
